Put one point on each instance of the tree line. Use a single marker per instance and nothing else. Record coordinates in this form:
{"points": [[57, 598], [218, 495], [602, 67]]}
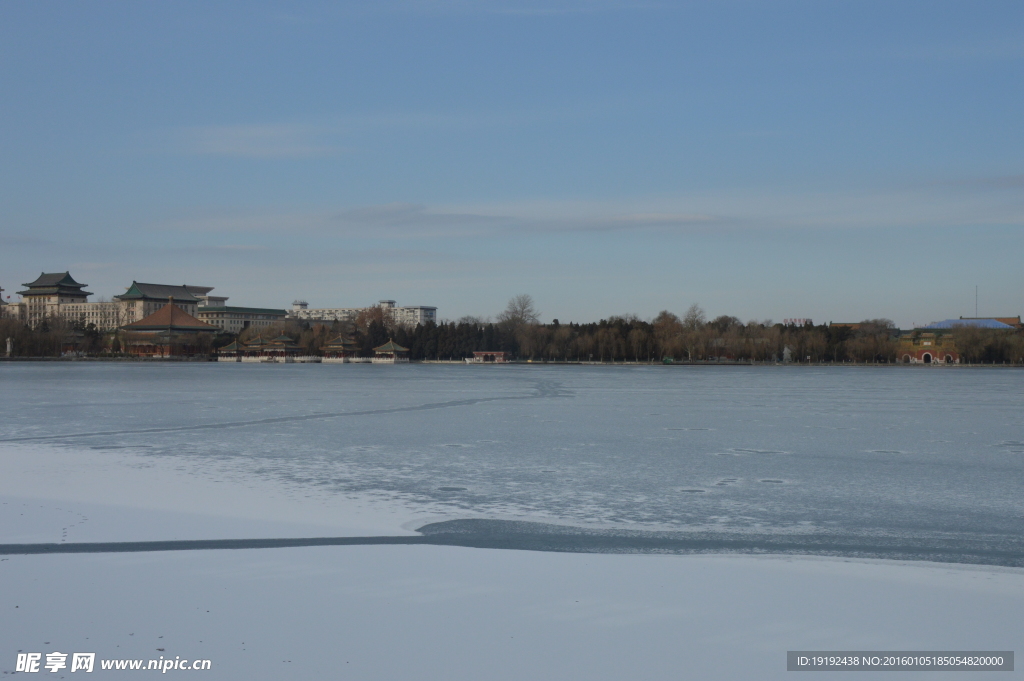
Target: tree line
{"points": [[517, 331]]}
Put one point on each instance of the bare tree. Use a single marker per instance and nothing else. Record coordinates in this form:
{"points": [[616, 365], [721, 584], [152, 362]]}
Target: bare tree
{"points": [[519, 312], [694, 318]]}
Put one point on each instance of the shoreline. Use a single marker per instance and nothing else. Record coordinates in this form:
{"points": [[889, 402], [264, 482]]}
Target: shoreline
{"points": [[724, 363]]}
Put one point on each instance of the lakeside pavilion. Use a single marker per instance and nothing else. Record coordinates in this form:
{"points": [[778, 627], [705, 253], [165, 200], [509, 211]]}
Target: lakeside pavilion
{"points": [[339, 350], [390, 353]]}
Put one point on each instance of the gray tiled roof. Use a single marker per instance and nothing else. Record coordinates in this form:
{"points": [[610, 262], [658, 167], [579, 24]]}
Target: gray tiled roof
{"points": [[48, 279], [139, 290]]}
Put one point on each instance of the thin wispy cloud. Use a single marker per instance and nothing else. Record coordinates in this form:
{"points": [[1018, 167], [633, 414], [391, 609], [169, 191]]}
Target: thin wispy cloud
{"points": [[401, 214], [992, 49], [256, 141], [733, 211], [239, 247], [538, 8], [631, 221], [995, 182], [331, 137]]}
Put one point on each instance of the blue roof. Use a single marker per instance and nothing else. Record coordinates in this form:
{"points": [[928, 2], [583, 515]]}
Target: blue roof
{"points": [[974, 323]]}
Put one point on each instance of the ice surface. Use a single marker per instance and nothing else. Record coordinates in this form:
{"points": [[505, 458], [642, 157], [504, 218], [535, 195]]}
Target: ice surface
{"points": [[556, 458], [925, 455]]}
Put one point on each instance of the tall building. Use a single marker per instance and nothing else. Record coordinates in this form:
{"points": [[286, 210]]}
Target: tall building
{"points": [[103, 315], [46, 296], [214, 310], [142, 300], [401, 316], [409, 316], [301, 310], [236, 319]]}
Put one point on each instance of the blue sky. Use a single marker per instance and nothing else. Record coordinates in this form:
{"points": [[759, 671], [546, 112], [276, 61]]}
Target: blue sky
{"points": [[832, 160]]}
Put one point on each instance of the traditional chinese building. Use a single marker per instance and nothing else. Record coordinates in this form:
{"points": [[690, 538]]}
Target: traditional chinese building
{"points": [[339, 350], [390, 353], [935, 343], [232, 352], [170, 331], [282, 349], [45, 296], [142, 300], [927, 347]]}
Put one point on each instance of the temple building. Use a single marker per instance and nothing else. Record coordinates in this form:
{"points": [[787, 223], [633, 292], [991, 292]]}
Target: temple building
{"points": [[390, 353], [927, 347], [935, 343], [170, 331]]}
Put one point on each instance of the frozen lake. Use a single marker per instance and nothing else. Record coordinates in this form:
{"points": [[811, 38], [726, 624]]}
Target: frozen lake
{"points": [[590, 465], [895, 463]]}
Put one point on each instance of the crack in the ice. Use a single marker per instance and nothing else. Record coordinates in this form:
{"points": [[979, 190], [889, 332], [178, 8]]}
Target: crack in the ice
{"points": [[542, 390]]}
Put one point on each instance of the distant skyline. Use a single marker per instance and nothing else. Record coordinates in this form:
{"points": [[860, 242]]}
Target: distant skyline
{"points": [[836, 161]]}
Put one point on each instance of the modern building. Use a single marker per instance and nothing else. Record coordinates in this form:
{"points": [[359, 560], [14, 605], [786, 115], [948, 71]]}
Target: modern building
{"points": [[202, 293], [400, 316], [409, 316], [237, 319], [48, 294], [104, 316], [170, 331], [142, 300], [301, 310]]}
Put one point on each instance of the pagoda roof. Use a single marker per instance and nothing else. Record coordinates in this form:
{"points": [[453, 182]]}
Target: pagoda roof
{"points": [[283, 339], [341, 340], [170, 317], [255, 342], [49, 283], [141, 291], [230, 347], [47, 280], [391, 346], [340, 343]]}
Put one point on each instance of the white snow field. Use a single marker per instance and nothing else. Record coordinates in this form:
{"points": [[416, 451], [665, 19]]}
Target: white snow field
{"points": [[848, 465]]}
